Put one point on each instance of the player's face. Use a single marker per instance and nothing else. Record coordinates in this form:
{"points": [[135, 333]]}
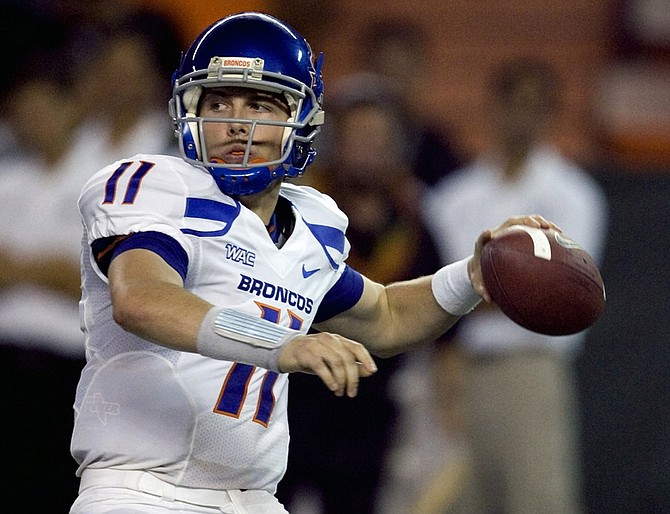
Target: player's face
{"points": [[523, 115], [227, 141]]}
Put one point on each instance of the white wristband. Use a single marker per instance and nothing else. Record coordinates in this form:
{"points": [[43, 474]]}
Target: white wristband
{"points": [[453, 290], [226, 334]]}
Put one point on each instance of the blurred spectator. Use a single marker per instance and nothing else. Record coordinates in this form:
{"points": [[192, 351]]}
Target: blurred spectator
{"points": [[519, 396], [338, 447], [427, 461], [22, 34], [104, 64], [399, 51], [41, 345], [126, 58]]}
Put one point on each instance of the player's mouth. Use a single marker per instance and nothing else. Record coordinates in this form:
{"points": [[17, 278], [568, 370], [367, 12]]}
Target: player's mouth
{"points": [[232, 155]]}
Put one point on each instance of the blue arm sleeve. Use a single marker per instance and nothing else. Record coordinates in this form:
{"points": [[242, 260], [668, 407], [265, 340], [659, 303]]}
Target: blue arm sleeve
{"points": [[107, 248], [342, 296]]}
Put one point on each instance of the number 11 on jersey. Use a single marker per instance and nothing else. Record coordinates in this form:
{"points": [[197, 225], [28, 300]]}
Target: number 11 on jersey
{"points": [[235, 387]]}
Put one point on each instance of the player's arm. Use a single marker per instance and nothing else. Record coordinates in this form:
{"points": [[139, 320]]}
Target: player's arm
{"points": [[392, 319], [150, 301]]}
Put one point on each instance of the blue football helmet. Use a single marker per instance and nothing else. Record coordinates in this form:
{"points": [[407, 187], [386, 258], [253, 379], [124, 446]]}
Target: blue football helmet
{"points": [[257, 51]]}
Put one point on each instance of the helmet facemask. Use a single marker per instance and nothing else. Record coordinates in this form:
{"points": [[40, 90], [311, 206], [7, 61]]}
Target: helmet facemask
{"points": [[246, 177]]}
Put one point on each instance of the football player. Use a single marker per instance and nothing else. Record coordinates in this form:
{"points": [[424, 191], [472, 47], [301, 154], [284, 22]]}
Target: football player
{"points": [[202, 276]]}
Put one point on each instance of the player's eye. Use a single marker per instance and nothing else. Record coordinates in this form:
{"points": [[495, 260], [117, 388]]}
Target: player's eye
{"points": [[267, 103], [261, 106], [214, 103]]}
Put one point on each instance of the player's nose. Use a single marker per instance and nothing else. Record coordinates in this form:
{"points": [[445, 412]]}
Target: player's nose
{"points": [[234, 128]]}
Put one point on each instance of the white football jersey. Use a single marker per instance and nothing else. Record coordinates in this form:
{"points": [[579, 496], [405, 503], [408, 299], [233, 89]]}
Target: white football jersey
{"points": [[192, 420]]}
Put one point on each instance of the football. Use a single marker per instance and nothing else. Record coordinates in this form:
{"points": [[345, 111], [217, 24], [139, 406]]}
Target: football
{"points": [[542, 280]]}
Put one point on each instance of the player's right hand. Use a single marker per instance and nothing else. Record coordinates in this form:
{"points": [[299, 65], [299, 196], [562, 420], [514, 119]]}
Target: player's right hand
{"points": [[338, 361], [474, 265]]}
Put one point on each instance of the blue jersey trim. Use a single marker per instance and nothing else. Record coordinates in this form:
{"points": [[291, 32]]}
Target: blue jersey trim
{"points": [[107, 249], [328, 237], [342, 296], [203, 208]]}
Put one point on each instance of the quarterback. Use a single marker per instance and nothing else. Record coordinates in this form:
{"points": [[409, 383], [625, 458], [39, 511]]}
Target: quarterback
{"points": [[202, 275]]}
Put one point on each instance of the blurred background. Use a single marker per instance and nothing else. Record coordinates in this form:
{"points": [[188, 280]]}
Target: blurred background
{"points": [[110, 64]]}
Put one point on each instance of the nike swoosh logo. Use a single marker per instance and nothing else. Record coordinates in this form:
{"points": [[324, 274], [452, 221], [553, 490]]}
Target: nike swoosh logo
{"points": [[308, 273]]}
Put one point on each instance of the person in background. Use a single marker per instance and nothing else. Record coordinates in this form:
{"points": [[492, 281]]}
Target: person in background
{"points": [[41, 344], [48, 155], [363, 165], [518, 391], [123, 117], [23, 34], [399, 51]]}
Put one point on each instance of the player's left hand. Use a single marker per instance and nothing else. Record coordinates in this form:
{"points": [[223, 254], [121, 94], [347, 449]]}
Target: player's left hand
{"points": [[338, 361], [474, 266]]}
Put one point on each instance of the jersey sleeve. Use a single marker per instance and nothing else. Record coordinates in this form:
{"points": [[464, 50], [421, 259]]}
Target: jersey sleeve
{"points": [[342, 296], [105, 250], [131, 196], [142, 194]]}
